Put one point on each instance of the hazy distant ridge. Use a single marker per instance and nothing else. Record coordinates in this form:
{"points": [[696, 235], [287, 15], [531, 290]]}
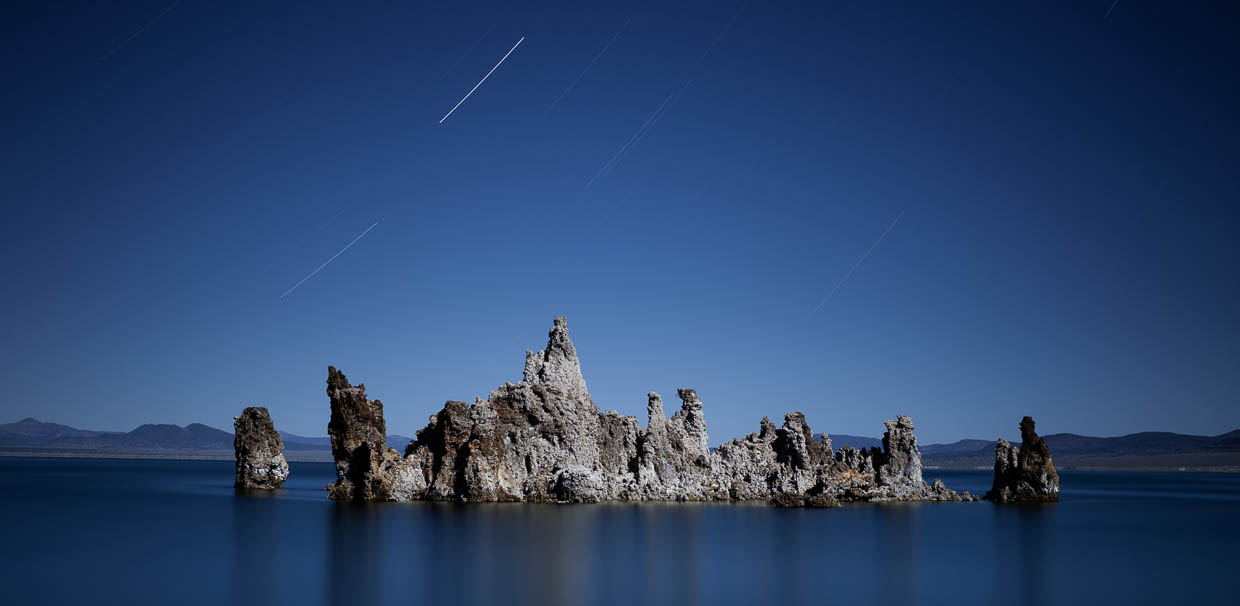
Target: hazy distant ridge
{"points": [[195, 437], [1145, 448]]}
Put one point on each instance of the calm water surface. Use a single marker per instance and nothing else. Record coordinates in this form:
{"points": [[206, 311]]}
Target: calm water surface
{"points": [[162, 532]]}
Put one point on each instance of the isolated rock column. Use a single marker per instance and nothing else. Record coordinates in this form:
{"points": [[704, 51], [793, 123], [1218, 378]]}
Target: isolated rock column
{"points": [[259, 450], [901, 460], [1024, 475]]}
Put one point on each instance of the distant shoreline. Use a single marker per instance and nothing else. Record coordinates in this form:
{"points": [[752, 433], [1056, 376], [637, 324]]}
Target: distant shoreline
{"points": [[1146, 451]]}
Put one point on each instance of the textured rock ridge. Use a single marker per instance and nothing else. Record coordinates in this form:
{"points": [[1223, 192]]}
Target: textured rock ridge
{"points": [[259, 450], [366, 469], [544, 440], [1024, 475], [898, 466]]}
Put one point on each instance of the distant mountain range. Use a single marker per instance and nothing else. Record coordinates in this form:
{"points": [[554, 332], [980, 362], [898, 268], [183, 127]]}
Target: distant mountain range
{"points": [[858, 442], [1148, 449], [34, 436], [1144, 450]]}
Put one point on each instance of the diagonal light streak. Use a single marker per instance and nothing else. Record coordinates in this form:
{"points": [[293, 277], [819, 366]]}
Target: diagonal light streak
{"points": [[855, 266], [631, 139], [465, 54], [725, 29], [658, 117], [135, 34], [484, 79], [583, 72], [346, 247], [640, 131]]}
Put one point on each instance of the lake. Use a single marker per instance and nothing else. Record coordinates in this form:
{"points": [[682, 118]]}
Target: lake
{"points": [[107, 531]]}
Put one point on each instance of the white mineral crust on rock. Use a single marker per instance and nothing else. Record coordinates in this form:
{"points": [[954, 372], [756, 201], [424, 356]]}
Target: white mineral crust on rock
{"points": [[259, 450], [544, 440]]}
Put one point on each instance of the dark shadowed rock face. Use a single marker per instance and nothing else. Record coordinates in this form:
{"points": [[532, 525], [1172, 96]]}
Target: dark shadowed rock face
{"points": [[366, 469], [1024, 475], [259, 450], [544, 440]]}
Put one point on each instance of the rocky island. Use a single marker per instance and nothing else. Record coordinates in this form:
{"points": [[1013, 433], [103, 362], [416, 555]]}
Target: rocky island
{"points": [[1025, 474], [543, 439], [259, 450]]}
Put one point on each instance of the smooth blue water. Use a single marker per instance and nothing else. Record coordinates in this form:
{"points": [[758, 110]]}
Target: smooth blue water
{"points": [[125, 531]]}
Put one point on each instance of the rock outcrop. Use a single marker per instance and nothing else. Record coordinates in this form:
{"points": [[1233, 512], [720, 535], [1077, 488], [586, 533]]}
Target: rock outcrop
{"points": [[544, 440], [366, 469], [1024, 475], [259, 450]]}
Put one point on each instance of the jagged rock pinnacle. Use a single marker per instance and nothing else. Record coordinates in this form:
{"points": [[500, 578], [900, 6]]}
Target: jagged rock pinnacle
{"points": [[366, 469], [901, 461], [557, 367], [1025, 474], [259, 450]]}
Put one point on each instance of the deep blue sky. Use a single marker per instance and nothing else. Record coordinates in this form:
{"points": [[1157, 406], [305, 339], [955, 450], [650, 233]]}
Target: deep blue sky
{"points": [[1068, 246]]}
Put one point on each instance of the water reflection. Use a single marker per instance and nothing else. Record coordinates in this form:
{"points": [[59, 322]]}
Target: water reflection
{"points": [[666, 553], [254, 534], [355, 565], [898, 539], [194, 540], [1028, 524]]}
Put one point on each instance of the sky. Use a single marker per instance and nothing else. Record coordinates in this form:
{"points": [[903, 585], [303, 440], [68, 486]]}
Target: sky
{"points": [[1055, 186]]}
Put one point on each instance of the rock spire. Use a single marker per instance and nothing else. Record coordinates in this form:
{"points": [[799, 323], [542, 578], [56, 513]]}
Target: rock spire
{"points": [[259, 450], [1026, 474]]}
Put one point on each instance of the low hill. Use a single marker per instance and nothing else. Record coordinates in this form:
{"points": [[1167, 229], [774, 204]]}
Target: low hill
{"points": [[1144, 450], [31, 436], [33, 431]]}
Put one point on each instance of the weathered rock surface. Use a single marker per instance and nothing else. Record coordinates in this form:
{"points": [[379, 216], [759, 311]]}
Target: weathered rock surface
{"points": [[366, 469], [544, 440], [259, 450], [1024, 475]]}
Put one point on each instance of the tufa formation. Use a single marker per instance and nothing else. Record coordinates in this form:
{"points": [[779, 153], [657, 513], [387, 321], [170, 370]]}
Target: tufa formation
{"points": [[544, 440], [259, 450], [366, 469], [1024, 475]]}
